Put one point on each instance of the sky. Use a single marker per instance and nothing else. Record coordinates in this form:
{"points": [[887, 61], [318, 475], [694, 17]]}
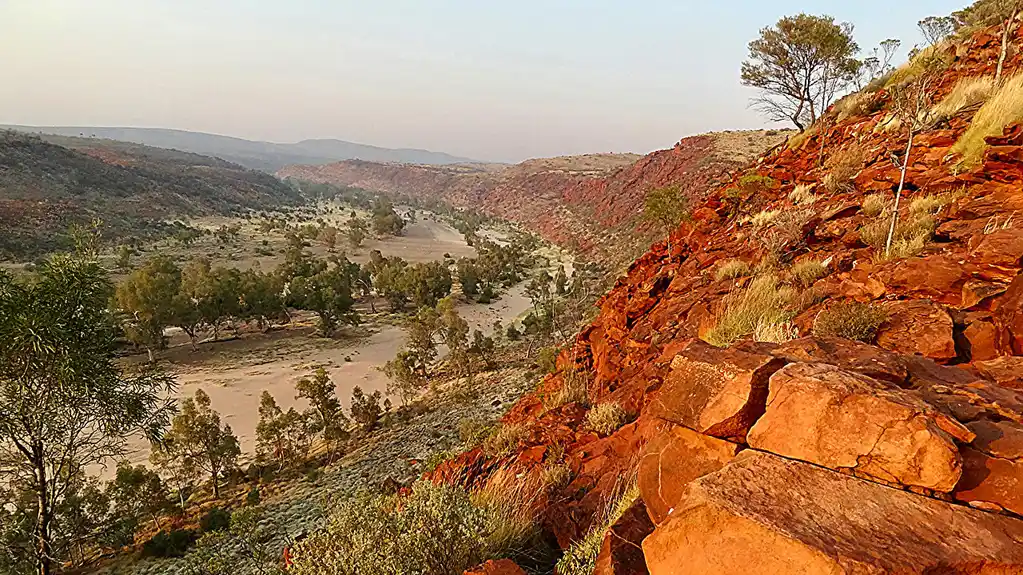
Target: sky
{"points": [[499, 81]]}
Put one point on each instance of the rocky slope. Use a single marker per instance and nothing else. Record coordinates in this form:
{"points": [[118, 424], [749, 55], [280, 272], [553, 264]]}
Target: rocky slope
{"points": [[812, 454], [47, 185], [590, 203]]}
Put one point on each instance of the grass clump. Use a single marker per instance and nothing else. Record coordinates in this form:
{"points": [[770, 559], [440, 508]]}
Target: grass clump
{"points": [[1005, 107], [802, 195], [581, 557], [757, 308], [875, 204], [912, 234], [932, 56], [436, 529], [967, 92], [473, 432], [806, 273], [765, 218], [851, 320], [573, 390], [606, 418], [504, 440], [733, 269], [856, 104], [842, 168]]}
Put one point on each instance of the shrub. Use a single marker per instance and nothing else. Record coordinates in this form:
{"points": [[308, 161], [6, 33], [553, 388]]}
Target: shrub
{"points": [[555, 476], [967, 92], [504, 440], [802, 195], [856, 104], [851, 320], [755, 183], [796, 141], [807, 272], [935, 55], [472, 432], [216, 519], [606, 418], [581, 557], [875, 204], [253, 497], [761, 305], [842, 168], [912, 233], [733, 269], [1005, 107], [435, 529], [169, 544], [547, 359]]}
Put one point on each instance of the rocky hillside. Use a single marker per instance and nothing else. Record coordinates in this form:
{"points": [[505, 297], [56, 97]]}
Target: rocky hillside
{"points": [[47, 185], [590, 203], [861, 410]]}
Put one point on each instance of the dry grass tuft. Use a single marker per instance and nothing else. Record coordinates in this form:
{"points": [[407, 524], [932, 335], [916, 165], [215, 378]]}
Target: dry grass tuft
{"points": [[581, 557], [856, 104], [1005, 107], [796, 141], [913, 231], [802, 195], [733, 269], [851, 320], [757, 308], [765, 218], [875, 204], [807, 272], [606, 418], [504, 440], [936, 55], [573, 390], [842, 168], [967, 92]]}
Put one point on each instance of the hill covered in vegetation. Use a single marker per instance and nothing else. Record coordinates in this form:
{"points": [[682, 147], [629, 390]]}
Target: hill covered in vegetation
{"points": [[46, 187]]}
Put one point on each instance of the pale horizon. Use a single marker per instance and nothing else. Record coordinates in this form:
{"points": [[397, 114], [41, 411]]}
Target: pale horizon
{"points": [[494, 83]]}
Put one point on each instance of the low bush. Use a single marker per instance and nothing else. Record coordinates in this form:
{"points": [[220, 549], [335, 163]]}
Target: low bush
{"points": [[216, 519], [850, 320], [765, 218], [169, 544], [547, 359], [807, 272], [761, 305], [473, 432], [733, 269], [855, 104], [875, 204], [573, 390], [435, 529], [253, 497], [606, 418], [912, 233], [1004, 107]]}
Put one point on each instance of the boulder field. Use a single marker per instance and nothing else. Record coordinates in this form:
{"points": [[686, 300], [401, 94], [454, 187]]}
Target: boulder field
{"points": [[809, 453]]}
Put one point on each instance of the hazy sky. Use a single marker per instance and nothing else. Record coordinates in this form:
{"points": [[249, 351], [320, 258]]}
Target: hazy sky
{"points": [[480, 78]]}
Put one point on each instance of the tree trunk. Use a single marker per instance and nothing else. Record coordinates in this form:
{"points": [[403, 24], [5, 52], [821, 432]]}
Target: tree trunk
{"points": [[216, 484], [149, 351], [44, 517], [898, 195], [1010, 25]]}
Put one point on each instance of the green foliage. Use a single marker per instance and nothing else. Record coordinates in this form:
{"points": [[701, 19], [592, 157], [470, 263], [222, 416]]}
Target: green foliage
{"points": [[547, 359], [1004, 108], [325, 415], [851, 320], [253, 497], [807, 272], [667, 207], [281, 436], [760, 306], [504, 440], [436, 529], [137, 493], [147, 297], [247, 542], [169, 544], [800, 65], [385, 219], [366, 409], [216, 519], [67, 403], [473, 432], [197, 439], [328, 293]]}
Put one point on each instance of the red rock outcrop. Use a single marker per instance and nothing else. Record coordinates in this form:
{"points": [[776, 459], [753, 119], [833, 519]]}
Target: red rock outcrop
{"points": [[499, 567], [766, 514]]}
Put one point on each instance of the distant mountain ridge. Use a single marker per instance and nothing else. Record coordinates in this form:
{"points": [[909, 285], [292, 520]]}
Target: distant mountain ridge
{"points": [[264, 156]]}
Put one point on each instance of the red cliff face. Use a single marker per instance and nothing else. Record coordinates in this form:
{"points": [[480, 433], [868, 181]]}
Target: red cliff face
{"points": [[792, 450], [585, 202]]}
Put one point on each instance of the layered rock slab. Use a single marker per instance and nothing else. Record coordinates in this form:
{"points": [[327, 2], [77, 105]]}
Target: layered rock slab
{"points": [[765, 514], [718, 392], [847, 421]]}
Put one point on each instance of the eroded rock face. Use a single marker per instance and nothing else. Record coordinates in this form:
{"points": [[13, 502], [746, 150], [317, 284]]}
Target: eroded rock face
{"points": [[918, 327], [718, 392], [843, 420], [847, 354], [674, 458], [993, 467], [766, 514]]}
